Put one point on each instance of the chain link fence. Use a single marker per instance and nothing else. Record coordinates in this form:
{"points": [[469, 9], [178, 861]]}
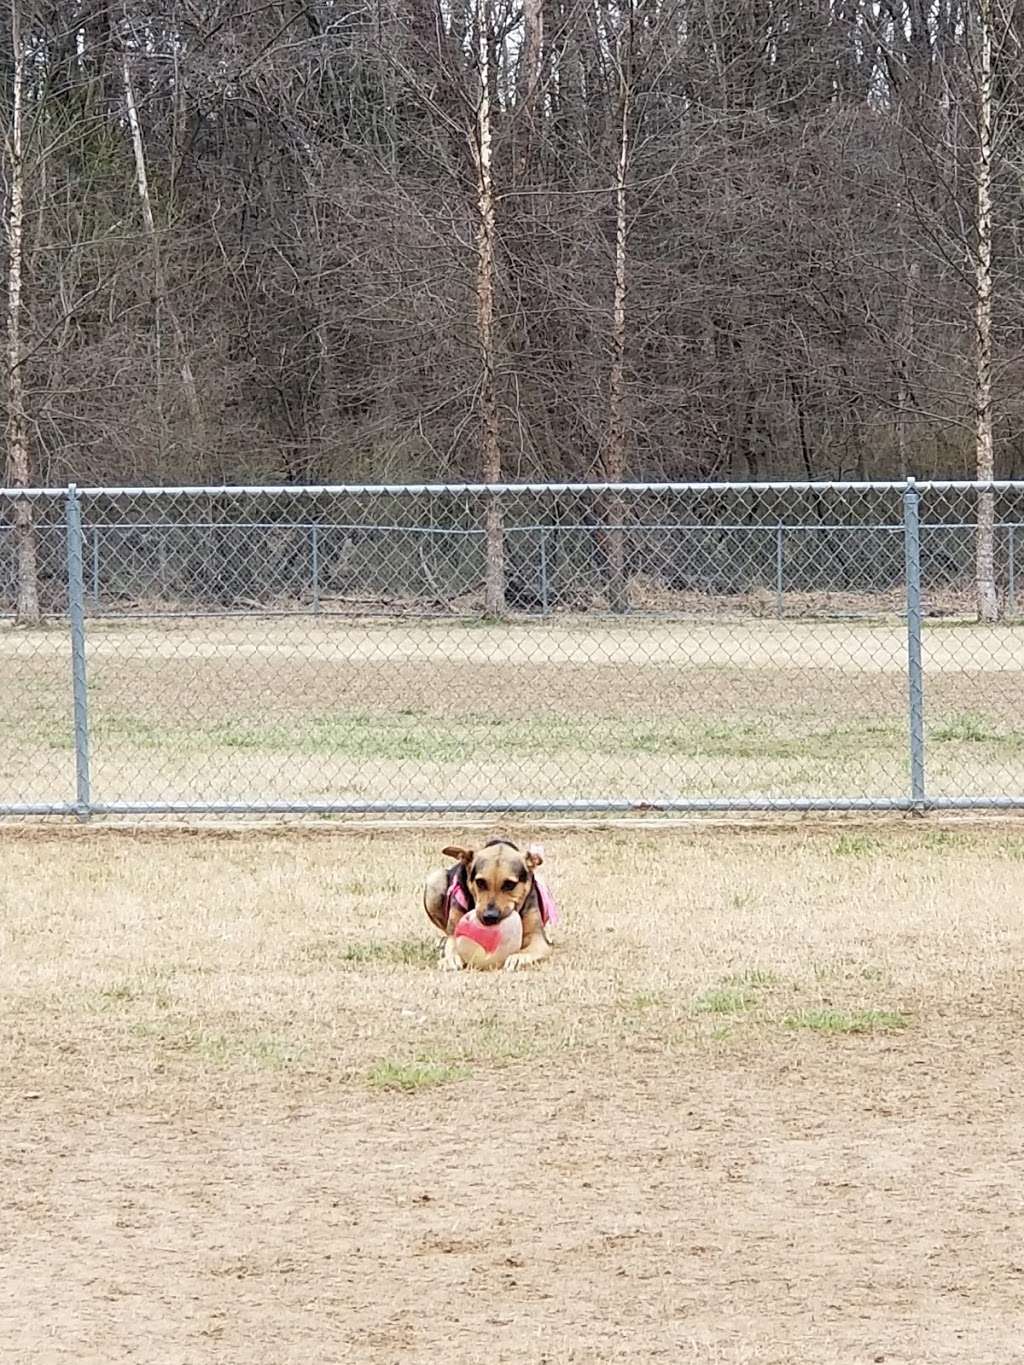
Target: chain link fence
{"points": [[560, 648]]}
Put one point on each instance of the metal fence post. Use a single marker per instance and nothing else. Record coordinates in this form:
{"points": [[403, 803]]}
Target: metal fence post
{"points": [[95, 567], [1011, 572], [780, 584], [544, 594], [915, 674], [314, 565], [76, 617]]}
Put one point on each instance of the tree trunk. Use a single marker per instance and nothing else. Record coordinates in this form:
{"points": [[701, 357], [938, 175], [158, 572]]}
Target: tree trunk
{"points": [[526, 124], [18, 464], [615, 456], [494, 579], [533, 52], [904, 349], [322, 430], [988, 600], [163, 302]]}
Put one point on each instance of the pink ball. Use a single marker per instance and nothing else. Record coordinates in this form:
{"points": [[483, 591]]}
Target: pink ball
{"points": [[487, 946]]}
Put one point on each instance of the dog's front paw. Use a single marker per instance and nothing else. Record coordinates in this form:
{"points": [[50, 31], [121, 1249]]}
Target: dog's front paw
{"points": [[450, 961], [516, 961]]}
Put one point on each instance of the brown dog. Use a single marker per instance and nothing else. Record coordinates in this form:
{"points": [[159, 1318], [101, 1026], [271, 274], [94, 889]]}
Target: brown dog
{"points": [[498, 881]]}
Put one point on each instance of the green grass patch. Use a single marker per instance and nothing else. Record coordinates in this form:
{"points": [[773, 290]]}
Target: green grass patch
{"points": [[725, 1000], [411, 952], [150, 987], [412, 1076], [418, 736], [968, 727], [848, 969], [944, 840], [643, 1001], [754, 978], [832, 1021], [855, 846]]}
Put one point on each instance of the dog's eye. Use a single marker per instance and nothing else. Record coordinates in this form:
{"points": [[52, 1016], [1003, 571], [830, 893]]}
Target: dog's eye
{"points": [[509, 885], [481, 883]]}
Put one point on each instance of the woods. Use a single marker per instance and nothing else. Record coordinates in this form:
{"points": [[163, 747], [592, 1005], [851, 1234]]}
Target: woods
{"points": [[573, 239]]}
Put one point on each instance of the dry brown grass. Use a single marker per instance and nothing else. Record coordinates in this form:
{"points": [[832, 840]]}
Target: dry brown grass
{"points": [[762, 1103]]}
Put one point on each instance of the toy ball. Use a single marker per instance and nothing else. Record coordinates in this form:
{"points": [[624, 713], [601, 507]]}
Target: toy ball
{"points": [[487, 946]]}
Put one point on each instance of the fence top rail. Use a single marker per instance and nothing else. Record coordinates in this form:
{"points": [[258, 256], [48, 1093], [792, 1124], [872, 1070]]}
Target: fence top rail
{"points": [[516, 489], [103, 528]]}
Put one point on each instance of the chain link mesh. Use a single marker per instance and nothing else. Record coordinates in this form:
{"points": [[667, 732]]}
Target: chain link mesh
{"points": [[37, 760], [656, 647]]}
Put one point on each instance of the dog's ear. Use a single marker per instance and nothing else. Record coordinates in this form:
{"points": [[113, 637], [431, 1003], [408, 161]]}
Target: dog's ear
{"points": [[534, 856], [462, 855]]}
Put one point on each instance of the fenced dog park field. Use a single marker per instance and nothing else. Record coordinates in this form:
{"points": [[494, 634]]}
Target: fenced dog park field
{"points": [[759, 1106], [666, 648]]}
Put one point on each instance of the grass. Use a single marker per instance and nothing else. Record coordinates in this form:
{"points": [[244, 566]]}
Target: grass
{"points": [[855, 846], [279, 955], [410, 952], [754, 978], [232, 1081], [951, 840], [201, 1047], [833, 1021], [847, 968], [642, 1001], [968, 728], [737, 994], [413, 1076], [724, 1000], [421, 736]]}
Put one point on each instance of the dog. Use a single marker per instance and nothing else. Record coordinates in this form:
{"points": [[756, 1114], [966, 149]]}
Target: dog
{"points": [[497, 881]]}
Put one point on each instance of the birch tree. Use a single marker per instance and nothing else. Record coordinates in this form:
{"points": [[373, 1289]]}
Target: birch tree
{"points": [[164, 303], [19, 468], [486, 275], [615, 451], [985, 573]]}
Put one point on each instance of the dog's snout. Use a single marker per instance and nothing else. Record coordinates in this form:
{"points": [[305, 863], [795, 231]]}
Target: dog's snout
{"points": [[490, 914]]}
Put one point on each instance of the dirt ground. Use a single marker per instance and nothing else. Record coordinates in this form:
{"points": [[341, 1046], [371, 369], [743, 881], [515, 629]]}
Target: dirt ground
{"points": [[763, 1105]]}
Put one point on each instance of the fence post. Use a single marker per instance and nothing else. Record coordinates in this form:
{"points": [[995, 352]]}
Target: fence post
{"points": [[915, 674], [545, 603], [76, 617], [314, 565], [95, 538], [1011, 584], [780, 585]]}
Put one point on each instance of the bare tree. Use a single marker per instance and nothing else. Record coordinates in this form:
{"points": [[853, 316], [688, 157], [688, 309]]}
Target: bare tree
{"points": [[533, 51], [615, 451], [904, 358], [988, 598], [606, 236], [19, 472], [163, 300], [486, 274]]}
